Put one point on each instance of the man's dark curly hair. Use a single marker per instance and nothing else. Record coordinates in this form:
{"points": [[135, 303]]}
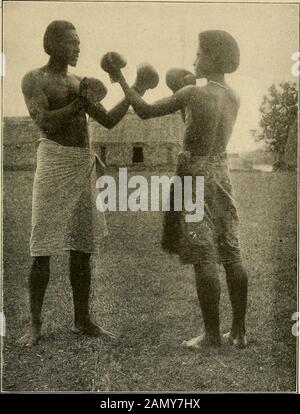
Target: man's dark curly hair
{"points": [[54, 34], [222, 48]]}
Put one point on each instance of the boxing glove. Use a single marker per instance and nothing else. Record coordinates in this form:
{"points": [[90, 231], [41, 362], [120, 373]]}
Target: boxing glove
{"points": [[112, 62], [92, 89], [146, 77], [178, 78]]}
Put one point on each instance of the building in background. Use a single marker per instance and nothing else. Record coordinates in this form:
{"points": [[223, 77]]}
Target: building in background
{"points": [[139, 143], [132, 143]]}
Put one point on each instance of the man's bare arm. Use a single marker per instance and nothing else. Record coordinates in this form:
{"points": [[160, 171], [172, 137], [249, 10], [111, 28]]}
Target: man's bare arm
{"points": [[161, 107], [109, 119], [38, 105]]}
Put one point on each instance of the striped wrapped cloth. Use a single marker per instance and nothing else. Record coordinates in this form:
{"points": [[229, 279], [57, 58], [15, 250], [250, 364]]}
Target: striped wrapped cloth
{"points": [[64, 213], [214, 239]]}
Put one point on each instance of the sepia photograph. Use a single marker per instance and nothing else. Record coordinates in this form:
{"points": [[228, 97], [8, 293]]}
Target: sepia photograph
{"points": [[149, 156]]}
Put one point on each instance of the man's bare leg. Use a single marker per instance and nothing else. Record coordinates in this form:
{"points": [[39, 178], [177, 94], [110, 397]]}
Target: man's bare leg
{"points": [[208, 290], [37, 284], [80, 278], [237, 281]]}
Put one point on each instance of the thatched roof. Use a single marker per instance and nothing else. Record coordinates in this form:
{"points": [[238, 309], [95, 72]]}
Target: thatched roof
{"points": [[168, 128]]}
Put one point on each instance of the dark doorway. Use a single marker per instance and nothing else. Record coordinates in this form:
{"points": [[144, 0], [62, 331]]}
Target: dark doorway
{"points": [[169, 156], [103, 153], [138, 154]]}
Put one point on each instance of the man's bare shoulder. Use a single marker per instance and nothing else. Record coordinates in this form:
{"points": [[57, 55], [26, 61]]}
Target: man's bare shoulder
{"points": [[189, 89], [200, 91], [200, 94], [205, 90], [186, 93], [231, 93], [32, 80]]}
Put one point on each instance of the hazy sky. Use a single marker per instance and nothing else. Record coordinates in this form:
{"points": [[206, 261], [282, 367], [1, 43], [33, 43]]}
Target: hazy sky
{"points": [[162, 34]]}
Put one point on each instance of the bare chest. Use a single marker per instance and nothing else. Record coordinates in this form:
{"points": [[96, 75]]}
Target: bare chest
{"points": [[60, 91]]}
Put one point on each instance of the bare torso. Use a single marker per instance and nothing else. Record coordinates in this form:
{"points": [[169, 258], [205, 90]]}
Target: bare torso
{"points": [[56, 91], [211, 112]]}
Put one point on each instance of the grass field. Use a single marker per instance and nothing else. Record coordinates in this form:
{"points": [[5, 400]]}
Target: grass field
{"points": [[149, 300]]}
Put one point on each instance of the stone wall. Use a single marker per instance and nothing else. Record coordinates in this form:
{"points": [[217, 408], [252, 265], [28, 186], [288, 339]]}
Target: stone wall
{"points": [[159, 138], [121, 155]]}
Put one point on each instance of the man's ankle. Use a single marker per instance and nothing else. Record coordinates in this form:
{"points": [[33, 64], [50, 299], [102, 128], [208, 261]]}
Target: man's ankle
{"points": [[238, 331], [214, 339], [36, 323], [82, 320]]}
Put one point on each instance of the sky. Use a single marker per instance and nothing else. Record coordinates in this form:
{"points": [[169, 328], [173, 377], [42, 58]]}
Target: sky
{"points": [[163, 34]]}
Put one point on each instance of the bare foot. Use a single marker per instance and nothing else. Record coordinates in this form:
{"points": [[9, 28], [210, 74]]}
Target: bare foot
{"points": [[30, 338], [200, 342], [239, 341], [88, 328]]}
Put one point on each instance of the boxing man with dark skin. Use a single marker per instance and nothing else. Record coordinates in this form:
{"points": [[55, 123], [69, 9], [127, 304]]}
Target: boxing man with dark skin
{"points": [[210, 113], [55, 104]]}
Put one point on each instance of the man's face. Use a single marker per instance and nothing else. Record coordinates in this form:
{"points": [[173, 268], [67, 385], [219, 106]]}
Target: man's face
{"points": [[69, 50], [202, 64]]}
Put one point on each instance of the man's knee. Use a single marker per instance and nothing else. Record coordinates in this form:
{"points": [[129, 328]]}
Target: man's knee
{"points": [[205, 267], [40, 260], [79, 259], [39, 274], [236, 270], [206, 273], [40, 268]]}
